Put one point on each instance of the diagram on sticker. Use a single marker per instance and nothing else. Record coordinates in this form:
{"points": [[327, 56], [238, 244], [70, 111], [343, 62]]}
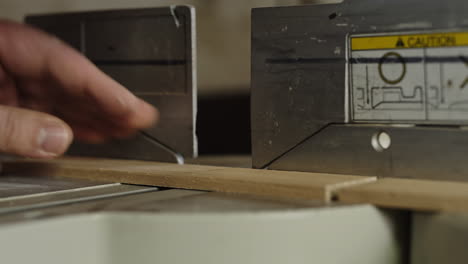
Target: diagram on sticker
{"points": [[418, 77]]}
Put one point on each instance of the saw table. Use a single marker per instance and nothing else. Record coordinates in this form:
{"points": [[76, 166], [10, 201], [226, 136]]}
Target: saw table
{"points": [[72, 219], [62, 219]]}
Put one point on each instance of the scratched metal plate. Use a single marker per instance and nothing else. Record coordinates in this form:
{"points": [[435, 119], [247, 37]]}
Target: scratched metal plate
{"points": [[152, 53], [301, 113]]}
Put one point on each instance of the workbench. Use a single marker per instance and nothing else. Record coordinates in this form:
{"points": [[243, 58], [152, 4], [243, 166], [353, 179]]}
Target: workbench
{"points": [[68, 220], [62, 220]]}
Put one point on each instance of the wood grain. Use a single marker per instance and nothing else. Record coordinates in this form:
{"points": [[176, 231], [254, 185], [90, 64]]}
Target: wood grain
{"points": [[419, 195], [268, 183]]}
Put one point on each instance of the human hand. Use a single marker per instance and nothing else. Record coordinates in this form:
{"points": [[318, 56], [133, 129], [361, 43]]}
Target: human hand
{"points": [[49, 93]]}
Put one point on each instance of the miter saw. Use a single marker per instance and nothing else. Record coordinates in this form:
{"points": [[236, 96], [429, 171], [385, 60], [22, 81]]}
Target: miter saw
{"points": [[358, 87]]}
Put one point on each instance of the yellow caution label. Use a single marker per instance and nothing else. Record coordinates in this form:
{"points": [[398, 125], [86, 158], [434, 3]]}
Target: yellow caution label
{"points": [[411, 41]]}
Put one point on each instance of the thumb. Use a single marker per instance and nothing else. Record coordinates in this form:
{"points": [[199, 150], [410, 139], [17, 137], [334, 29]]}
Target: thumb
{"points": [[32, 134]]}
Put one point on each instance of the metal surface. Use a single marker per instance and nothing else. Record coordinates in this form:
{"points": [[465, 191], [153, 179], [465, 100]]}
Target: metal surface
{"points": [[149, 200], [67, 197], [152, 53], [301, 94], [439, 238], [13, 186], [437, 153]]}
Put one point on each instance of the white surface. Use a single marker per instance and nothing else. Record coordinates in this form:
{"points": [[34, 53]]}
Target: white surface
{"points": [[354, 234], [440, 239]]}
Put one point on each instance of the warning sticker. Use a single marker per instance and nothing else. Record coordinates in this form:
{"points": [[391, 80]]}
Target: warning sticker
{"points": [[409, 77], [410, 41]]}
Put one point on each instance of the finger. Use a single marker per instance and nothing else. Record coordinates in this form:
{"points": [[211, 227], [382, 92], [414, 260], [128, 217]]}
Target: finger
{"points": [[29, 53], [91, 123], [8, 95], [32, 134], [86, 135], [34, 95]]}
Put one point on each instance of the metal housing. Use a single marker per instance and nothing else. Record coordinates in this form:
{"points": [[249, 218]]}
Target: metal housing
{"points": [[301, 104], [151, 52]]}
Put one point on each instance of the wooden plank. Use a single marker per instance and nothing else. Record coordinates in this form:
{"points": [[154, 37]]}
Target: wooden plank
{"points": [[419, 195], [275, 184], [237, 161]]}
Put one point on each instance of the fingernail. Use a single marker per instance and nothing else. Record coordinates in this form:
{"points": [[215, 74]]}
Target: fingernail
{"points": [[53, 140], [150, 109]]}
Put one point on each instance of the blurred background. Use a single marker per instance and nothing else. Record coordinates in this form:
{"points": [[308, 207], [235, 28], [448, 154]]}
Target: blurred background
{"points": [[223, 28]]}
